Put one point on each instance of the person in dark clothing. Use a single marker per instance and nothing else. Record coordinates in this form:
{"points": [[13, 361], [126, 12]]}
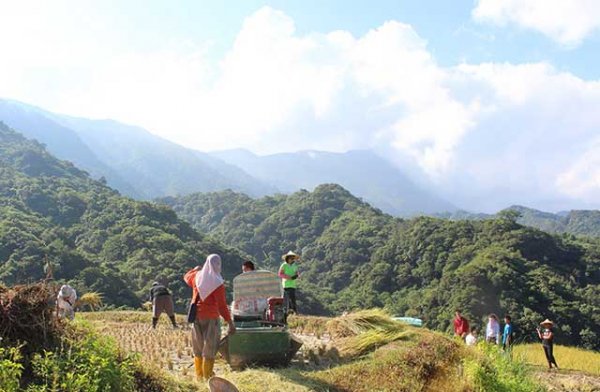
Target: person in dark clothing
{"points": [[547, 337], [162, 301], [248, 266], [507, 335]]}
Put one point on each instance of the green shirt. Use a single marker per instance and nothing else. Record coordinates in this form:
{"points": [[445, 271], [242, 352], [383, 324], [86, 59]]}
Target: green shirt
{"points": [[289, 270]]}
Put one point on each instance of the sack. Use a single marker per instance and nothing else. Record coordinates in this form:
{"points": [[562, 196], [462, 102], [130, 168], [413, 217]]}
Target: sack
{"points": [[191, 316]]}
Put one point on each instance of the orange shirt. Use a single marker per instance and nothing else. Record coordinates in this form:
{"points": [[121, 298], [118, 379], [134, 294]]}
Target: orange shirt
{"points": [[213, 305]]}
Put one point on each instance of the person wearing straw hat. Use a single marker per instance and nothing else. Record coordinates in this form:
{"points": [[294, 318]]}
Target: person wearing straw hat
{"points": [[288, 272], [547, 337], [209, 296]]}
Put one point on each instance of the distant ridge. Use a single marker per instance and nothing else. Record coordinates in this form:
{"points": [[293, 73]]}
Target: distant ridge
{"points": [[579, 222], [362, 172], [132, 160]]}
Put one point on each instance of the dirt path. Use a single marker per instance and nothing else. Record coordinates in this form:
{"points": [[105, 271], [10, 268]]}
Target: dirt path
{"points": [[568, 381]]}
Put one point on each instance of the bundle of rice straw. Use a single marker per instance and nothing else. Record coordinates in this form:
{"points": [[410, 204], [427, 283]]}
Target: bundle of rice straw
{"points": [[91, 301], [362, 332]]}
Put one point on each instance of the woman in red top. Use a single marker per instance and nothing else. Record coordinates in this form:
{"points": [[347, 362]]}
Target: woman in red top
{"points": [[461, 325], [209, 296]]}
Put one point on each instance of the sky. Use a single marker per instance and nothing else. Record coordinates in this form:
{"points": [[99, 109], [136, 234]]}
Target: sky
{"points": [[489, 102]]}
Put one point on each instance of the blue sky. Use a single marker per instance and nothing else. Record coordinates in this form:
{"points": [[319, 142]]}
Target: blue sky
{"points": [[452, 34], [491, 102]]}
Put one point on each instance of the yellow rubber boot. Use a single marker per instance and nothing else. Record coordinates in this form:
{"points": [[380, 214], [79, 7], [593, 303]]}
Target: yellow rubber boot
{"points": [[198, 367], [207, 368]]}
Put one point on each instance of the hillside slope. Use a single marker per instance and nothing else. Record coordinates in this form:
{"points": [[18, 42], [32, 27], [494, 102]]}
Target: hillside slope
{"points": [[157, 167], [61, 141], [362, 172], [355, 256], [53, 213]]}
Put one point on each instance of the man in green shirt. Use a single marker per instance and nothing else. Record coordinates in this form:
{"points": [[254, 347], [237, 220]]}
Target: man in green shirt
{"points": [[289, 273]]}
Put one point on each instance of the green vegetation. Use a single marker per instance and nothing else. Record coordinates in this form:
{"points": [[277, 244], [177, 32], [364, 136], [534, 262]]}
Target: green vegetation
{"points": [[39, 353], [53, 216], [356, 257], [82, 362]]}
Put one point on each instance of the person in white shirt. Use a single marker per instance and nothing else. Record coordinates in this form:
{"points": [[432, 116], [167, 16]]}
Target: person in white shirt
{"points": [[471, 338], [66, 302], [492, 329]]}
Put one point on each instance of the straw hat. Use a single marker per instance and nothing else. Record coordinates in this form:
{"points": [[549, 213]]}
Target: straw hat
{"points": [[218, 384], [290, 254], [546, 322]]}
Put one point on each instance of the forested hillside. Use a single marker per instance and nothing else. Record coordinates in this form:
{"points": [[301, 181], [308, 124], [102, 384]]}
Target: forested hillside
{"points": [[53, 213], [578, 222], [355, 256]]}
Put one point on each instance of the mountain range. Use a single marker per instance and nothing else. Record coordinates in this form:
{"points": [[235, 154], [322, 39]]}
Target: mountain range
{"points": [[362, 172], [131, 159], [142, 165]]}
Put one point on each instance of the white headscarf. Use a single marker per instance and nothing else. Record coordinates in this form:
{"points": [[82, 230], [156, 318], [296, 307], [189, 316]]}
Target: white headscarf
{"points": [[209, 278]]}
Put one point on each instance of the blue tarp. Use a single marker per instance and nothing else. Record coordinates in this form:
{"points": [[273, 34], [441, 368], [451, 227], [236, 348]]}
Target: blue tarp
{"points": [[416, 322]]}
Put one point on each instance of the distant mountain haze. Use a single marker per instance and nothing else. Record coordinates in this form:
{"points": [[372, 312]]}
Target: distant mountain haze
{"points": [[157, 167], [132, 160], [362, 172], [61, 141], [142, 165]]}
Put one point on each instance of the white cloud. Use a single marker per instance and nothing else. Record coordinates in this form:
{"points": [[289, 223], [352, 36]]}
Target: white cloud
{"points": [[537, 124], [582, 179], [566, 21]]}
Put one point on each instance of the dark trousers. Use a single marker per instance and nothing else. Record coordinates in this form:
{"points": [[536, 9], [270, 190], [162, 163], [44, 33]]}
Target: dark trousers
{"points": [[548, 350], [289, 294]]}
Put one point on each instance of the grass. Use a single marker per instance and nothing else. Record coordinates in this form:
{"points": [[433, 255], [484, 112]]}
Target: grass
{"points": [[568, 358], [489, 369]]}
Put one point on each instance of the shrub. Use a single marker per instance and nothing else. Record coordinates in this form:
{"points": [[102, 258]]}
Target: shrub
{"points": [[10, 369], [492, 370], [86, 363]]}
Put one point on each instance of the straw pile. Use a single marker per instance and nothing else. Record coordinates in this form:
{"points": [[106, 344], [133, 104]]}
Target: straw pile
{"points": [[362, 332], [26, 316], [91, 301]]}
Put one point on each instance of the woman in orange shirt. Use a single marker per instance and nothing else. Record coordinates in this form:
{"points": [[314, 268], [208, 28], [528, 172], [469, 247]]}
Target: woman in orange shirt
{"points": [[209, 297]]}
